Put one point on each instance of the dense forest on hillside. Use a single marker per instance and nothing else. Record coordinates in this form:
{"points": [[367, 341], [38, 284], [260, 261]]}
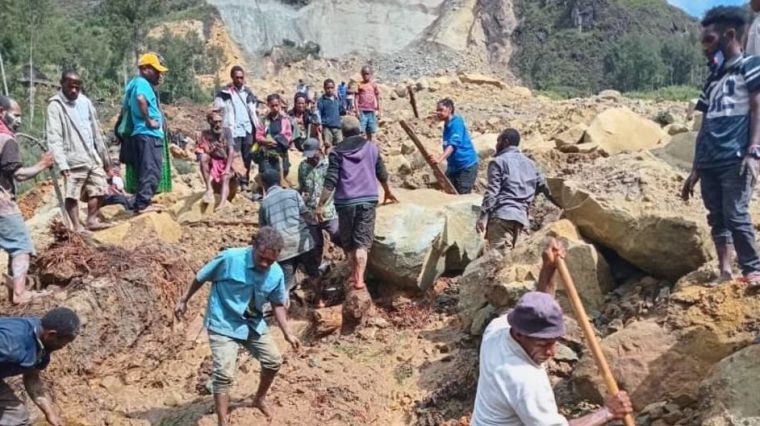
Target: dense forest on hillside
{"points": [[579, 47]]}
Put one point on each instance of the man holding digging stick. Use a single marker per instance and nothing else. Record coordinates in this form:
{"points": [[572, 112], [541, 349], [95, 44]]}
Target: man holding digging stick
{"points": [[514, 388]]}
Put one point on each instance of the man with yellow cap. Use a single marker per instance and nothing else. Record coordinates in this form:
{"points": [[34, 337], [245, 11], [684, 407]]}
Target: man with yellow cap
{"points": [[145, 148]]}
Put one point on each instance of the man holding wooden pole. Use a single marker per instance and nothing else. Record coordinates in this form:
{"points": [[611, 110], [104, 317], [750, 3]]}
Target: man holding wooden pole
{"points": [[514, 388]]}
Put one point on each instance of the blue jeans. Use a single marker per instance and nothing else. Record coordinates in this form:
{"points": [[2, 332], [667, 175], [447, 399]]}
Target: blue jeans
{"points": [[368, 122], [726, 195], [463, 180]]}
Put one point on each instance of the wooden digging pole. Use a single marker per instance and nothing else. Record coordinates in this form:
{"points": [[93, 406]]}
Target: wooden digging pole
{"points": [[588, 332], [443, 181], [413, 101]]}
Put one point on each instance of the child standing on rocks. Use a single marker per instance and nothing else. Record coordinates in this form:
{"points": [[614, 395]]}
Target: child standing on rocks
{"points": [[368, 103]]}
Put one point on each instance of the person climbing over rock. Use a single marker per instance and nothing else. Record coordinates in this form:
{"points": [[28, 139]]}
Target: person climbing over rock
{"points": [[25, 348], [727, 152], [311, 183], [244, 280], [458, 152], [284, 210], [513, 386], [305, 120], [14, 236], [355, 167], [368, 103], [237, 103], [330, 112], [76, 141], [513, 182]]}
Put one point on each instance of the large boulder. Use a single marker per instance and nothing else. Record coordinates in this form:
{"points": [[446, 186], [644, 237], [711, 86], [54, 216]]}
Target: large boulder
{"points": [[136, 231], [485, 145], [679, 152], [729, 395], [648, 361], [426, 234], [480, 80], [667, 357], [620, 129], [498, 280], [630, 204], [571, 136]]}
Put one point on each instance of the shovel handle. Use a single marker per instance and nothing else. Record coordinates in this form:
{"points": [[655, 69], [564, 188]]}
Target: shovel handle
{"points": [[588, 332]]}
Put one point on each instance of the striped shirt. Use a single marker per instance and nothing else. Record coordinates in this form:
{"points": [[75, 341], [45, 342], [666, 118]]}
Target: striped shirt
{"points": [[284, 210], [725, 102]]}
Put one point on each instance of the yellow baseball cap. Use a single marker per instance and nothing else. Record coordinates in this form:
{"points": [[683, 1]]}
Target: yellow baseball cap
{"points": [[153, 60]]}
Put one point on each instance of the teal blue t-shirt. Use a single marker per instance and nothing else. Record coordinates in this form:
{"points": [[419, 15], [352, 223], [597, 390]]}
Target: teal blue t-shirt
{"points": [[140, 86], [236, 285]]}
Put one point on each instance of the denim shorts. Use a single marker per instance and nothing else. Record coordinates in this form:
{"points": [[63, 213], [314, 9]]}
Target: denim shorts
{"points": [[14, 237], [368, 122]]}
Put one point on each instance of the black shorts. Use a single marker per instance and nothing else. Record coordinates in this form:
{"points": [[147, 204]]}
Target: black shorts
{"points": [[357, 225], [310, 265]]}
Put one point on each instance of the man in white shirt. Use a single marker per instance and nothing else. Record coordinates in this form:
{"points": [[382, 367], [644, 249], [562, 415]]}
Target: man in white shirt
{"points": [[753, 35], [514, 388]]}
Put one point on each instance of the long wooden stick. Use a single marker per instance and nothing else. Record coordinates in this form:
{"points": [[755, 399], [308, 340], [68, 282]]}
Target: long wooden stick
{"points": [[443, 181], [413, 101], [54, 178], [583, 321]]}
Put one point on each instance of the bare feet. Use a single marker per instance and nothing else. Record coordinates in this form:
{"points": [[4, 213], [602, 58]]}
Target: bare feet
{"points": [[263, 405], [97, 226], [208, 197], [150, 209], [27, 296]]}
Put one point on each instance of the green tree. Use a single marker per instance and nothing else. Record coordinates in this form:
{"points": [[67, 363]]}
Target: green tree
{"points": [[683, 61], [635, 63]]}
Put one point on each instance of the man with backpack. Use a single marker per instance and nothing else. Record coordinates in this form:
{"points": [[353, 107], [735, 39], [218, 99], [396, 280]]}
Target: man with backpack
{"points": [[237, 103], [142, 127]]}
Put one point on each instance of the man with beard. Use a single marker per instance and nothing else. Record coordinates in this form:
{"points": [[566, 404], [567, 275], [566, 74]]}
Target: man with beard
{"points": [[14, 237], [727, 152], [216, 156]]}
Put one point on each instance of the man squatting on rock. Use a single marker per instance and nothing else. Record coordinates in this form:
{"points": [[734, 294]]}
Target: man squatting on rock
{"points": [[727, 151], [513, 387]]}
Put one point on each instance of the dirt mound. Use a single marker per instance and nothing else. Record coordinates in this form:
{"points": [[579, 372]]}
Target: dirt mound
{"points": [[120, 295]]}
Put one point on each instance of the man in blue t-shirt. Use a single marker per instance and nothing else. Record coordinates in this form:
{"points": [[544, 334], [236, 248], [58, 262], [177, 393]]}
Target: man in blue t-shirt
{"points": [[244, 281], [728, 144], [25, 348], [458, 151], [148, 128]]}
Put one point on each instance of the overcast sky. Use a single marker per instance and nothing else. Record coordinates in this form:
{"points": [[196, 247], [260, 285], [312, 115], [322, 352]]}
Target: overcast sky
{"points": [[698, 7]]}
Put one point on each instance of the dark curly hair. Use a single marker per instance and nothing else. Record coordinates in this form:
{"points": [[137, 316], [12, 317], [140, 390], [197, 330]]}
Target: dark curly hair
{"points": [[64, 321], [268, 238], [724, 17]]}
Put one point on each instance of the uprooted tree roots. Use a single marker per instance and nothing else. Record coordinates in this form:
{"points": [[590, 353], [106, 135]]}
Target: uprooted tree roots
{"points": [[121, 295]]}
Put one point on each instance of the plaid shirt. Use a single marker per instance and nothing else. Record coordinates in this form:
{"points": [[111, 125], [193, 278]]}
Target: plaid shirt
{"points": [[284, 210]]}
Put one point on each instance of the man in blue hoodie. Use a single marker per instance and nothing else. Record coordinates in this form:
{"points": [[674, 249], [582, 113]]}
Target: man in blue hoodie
{"points": [[458, 151], [353, 173]]}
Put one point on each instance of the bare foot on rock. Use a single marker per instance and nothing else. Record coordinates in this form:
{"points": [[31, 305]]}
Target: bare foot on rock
{"points": [[263, 405]]}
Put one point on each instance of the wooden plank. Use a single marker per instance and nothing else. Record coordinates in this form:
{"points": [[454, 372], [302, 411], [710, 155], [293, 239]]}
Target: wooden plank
{"points": [[413, 101], [443, 181]]}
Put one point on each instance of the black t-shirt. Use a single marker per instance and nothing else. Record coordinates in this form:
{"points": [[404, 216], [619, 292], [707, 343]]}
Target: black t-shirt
{"points": [[10, 162]]}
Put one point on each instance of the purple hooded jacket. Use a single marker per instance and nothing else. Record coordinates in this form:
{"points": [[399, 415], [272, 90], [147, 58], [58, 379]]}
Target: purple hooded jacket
{"points": [[355, 168]]}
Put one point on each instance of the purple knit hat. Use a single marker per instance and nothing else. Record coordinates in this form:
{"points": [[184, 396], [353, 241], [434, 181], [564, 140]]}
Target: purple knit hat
{"points": [[537, 315]]}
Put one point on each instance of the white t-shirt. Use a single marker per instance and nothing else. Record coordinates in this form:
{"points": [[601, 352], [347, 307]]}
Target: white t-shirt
{"points": [[512, 389], [753, 38]]}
